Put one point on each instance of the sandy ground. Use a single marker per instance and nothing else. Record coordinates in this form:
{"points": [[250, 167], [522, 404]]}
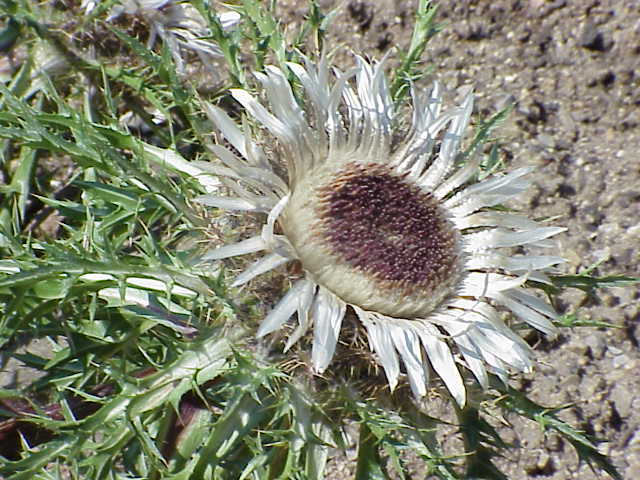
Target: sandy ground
{"points": [[573, 70]]}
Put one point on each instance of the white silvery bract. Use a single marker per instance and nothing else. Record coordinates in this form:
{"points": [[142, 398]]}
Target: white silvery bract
{"points": [[384, 220], [177, 23]]}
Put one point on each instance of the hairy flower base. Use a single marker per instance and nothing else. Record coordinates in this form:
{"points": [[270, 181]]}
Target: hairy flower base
{"points": [[373, 239]]}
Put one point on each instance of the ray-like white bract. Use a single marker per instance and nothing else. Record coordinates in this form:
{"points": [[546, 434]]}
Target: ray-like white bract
{"points": [[434, 294]]}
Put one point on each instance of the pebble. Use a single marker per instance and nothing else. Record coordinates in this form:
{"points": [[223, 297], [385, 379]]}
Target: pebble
{"points": [[614, 350], [620, 361], [596, 344], [622, 399]]}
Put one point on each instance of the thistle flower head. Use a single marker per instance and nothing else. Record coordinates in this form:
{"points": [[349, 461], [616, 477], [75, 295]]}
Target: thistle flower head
{"points": [[177, 23], [388, 222]]}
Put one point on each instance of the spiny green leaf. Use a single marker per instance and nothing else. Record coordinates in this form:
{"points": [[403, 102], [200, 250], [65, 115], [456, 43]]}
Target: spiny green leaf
{"points": [[409, 71], [588, 283], [573, 320], [519, 403], [368, 466]]}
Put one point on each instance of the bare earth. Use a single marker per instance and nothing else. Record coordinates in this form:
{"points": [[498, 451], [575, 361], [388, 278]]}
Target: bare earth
{"points": [[573, 70]]}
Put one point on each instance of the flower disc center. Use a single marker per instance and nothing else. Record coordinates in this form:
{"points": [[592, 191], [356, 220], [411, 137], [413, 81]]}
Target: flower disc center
{"points": [[385, 227], [374, 239]]}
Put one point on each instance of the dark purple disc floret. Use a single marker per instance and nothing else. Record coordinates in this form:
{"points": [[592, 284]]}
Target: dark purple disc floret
{"points": [[380, 224]]}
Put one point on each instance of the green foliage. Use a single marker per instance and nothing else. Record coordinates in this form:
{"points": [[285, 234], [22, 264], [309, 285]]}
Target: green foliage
{"points": [[150, 369], [586, 446], [411, 69]]}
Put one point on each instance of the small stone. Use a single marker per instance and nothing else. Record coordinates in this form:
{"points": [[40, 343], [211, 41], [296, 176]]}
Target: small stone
{"points": [[543, 466], [531, 436], [596, 344], [592, 39], [534, 111], [471, 31], [592, 385], [553, 443], [546, 140], [614, 350], [634, 440], [620, 361], [505, 101]]}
